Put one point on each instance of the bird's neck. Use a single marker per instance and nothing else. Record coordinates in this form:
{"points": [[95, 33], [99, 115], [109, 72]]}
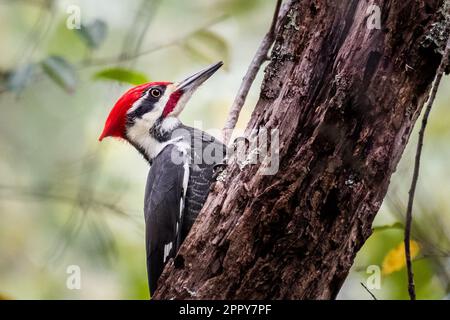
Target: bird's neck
{"points": [[156, 138], [163, 128]]}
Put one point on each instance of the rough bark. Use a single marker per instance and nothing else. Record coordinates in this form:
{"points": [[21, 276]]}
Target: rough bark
{"points": [[345, 99]]}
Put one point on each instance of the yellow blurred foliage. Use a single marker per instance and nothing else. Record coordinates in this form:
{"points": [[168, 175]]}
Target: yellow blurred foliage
{"points": [[4, 297], [395, 259]]}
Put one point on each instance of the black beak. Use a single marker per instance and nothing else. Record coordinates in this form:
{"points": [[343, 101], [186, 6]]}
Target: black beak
{"points": [[193, 82]]}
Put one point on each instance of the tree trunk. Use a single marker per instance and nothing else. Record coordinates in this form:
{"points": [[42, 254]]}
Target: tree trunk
{"points": [[345, 98]]}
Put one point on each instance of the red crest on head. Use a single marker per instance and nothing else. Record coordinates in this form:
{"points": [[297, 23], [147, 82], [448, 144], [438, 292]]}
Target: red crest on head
{"points": [[115, 123]]}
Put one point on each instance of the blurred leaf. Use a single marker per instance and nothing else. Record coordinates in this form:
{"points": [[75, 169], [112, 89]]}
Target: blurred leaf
{"points": [[208, 46], [64, 42], [395, 259], [397, 225], [19, 78], [94, 33], [61, 72], [122, 75]]}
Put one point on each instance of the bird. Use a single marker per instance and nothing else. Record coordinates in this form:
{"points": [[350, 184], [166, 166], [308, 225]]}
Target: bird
{"points": [[182, 161]]}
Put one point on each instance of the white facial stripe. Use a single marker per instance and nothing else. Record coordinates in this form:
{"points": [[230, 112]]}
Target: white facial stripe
{"points": [[181, 104], [164, 99], [159, 106], [138, 102], [139, 132]]}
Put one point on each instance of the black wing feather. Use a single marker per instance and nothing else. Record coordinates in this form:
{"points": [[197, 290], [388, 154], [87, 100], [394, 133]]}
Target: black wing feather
{"points": [[162, 211], [164, 192]]}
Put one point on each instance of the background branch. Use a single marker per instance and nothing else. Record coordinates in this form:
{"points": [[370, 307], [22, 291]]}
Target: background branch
{"points": [[412, 190], [93, 62], [370, 292], [259, 58]]}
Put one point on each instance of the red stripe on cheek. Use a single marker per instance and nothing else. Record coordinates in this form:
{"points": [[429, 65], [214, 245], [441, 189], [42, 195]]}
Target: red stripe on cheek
{"points": [[172, 103]]}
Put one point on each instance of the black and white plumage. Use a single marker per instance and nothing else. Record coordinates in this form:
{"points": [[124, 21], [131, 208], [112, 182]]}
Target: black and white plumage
{"points": [[175, 194], [182, 161]]}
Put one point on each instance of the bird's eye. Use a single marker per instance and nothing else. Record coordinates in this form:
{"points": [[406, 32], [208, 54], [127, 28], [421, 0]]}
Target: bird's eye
{"points": [[156, 93]]}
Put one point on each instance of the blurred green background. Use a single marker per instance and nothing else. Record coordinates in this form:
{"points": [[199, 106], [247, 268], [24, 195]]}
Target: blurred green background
{"points": [[66, 199]]}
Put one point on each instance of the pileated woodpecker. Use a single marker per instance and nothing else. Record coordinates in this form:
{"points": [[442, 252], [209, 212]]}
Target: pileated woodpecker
{"points": [[182, 161]]}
